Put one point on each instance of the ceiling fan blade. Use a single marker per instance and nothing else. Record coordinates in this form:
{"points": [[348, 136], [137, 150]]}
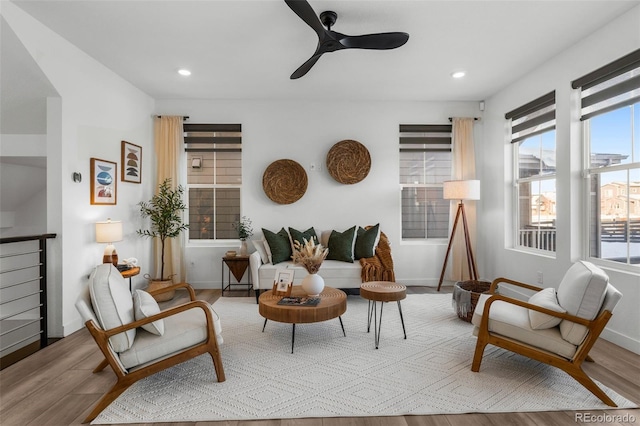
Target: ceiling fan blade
{"points": [[304, 68], [306, 13], [381, 41]]}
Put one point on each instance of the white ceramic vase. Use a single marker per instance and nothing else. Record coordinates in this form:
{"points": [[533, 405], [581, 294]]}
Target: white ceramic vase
{"points": [[243, 248], [312, 284]]}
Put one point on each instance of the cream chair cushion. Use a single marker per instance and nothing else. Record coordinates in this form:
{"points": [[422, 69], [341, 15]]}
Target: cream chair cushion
{"points": [[512, 321], [144, 306], [581, 293], [112, 304], [545, 299], [181, 331]]}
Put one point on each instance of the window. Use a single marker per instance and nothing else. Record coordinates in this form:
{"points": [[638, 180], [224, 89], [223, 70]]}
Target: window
{"points": [[214, 179], [610, 111], [533, 136], [425, 163]]}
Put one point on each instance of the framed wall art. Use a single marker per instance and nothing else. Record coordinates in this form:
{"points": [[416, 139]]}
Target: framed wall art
{"points": [[131, 162], [104, 182]]}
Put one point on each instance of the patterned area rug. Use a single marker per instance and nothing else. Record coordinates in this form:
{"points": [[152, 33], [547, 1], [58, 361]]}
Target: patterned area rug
{"points": [[330, 375]]}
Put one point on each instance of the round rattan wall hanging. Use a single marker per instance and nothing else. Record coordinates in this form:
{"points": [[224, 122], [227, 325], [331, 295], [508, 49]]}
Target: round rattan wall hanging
{"points": [[284, 181], [348, 162]]}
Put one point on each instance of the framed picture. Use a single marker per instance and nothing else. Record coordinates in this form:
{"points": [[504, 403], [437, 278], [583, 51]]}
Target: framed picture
{"points": [[131, 162], [283, 282], [104, 182]]}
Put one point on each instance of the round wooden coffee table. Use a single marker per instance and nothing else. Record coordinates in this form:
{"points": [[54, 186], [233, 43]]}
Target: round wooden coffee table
{"points": [[382, 291], [333, 304]]}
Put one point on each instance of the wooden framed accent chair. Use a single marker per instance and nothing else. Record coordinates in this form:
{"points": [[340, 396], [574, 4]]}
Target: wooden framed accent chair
{"points": [[557, 328], [136, 338]]}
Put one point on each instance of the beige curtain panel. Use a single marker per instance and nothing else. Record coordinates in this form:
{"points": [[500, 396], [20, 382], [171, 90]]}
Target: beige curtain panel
{"points": [[463, 168], [169, 140]]}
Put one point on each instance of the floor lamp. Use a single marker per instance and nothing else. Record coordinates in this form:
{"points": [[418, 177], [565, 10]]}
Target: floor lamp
{"points": [[461, 190]]}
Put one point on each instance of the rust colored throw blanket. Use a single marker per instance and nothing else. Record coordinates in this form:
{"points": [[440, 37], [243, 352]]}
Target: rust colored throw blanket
{"points": [[380, 266]]}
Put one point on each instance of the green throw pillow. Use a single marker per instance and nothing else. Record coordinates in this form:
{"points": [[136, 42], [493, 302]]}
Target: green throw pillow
{"points": [[300, 236], [366, 241], [279, 245], [341, 245]]}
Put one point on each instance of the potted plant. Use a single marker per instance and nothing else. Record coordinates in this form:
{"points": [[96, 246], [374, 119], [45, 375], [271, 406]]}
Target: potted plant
{"points": [[165, 212], [245, 230]]}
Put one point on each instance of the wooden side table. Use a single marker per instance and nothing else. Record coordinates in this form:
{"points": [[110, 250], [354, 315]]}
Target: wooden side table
{"points": [[236, 265], [130, 273], [382, 291]]}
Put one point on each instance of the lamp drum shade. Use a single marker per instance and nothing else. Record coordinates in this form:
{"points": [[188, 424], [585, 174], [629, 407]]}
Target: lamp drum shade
{"points": [[109, 231], [461, 190]]}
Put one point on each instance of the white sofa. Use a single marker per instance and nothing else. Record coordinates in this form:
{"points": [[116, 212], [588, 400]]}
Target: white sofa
{"points": [[338, 274]]}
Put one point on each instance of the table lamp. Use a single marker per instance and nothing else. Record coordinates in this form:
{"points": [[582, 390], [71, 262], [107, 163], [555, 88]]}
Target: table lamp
{"points": [[461, 190], [109, 232]]}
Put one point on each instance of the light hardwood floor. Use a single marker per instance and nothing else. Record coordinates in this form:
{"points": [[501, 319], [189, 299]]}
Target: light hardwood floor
{"points": [[56, 387]]}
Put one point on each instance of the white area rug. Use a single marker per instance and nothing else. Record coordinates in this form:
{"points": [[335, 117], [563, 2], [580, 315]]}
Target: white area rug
{"points": [[329, 375]]}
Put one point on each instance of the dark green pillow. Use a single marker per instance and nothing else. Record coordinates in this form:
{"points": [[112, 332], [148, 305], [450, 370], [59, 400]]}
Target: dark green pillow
{"points": [[279, 245], [366, 242], [341, 245], [300, 236]]}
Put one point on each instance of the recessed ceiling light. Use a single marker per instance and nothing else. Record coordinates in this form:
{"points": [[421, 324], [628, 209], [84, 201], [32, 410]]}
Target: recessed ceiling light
{"points": [[458, 74], [184, 72]]}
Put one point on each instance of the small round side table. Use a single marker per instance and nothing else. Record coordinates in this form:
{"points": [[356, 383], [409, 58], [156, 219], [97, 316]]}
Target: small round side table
{"points": [[382, 291]]}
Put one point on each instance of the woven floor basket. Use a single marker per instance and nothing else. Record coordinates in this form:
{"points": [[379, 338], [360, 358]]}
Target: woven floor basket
{"points": [[466, 295]]}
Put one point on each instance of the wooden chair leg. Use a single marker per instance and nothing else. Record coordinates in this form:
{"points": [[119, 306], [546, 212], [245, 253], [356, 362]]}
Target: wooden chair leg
{"points": [[588, 383], [107, 399], [477, 356], [101, 366], [217, 364]]}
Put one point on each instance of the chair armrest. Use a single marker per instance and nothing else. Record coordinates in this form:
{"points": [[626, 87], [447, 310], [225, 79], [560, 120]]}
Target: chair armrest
{"points": [[496, 297], [494, 284], [186, 286], [163, 314], [255, 261]]}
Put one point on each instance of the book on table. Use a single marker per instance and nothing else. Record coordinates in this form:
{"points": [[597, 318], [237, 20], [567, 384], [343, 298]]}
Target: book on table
{"points": [[299, 301]]}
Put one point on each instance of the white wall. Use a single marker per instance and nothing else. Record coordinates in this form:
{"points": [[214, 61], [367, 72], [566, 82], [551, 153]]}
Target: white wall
{"points": [[499, 258], [304, 131], [96, 110]]}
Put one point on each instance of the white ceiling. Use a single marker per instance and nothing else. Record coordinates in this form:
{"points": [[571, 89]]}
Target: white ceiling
{"points": [[247, 49]]}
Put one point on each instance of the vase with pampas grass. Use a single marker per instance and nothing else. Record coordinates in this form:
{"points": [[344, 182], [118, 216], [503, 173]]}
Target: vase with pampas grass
{"points": [[310, 255]]}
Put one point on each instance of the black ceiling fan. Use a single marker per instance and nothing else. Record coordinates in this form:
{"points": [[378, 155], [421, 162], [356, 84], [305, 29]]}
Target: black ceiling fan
{"points": [[330, 41]]}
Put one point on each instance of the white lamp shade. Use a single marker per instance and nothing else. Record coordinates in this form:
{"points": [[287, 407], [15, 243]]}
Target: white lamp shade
{"points": [[461, 190], [109, 231]]}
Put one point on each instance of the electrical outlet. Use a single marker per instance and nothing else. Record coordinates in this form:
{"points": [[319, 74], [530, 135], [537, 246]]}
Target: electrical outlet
{"points": [[313, 167], [540, 277]]}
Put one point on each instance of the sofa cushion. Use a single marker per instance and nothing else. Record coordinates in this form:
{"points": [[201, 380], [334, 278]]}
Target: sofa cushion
{"points": [[366, 242], [144, 306], [112, 304], [581, 293], [301, 236], [279, 245], [182, 331], [512, 321], [545, 299], [261, 249], [341, 245]]}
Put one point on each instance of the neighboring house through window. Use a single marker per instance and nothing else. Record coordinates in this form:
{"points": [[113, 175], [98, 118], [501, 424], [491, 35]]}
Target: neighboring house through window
{"points": [[610, 111], [214, 179], [533, 137], [425, 163]]}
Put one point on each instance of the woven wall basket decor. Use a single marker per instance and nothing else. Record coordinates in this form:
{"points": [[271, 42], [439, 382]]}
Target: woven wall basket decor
{"points": [[284, 181], [348, 162]]}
